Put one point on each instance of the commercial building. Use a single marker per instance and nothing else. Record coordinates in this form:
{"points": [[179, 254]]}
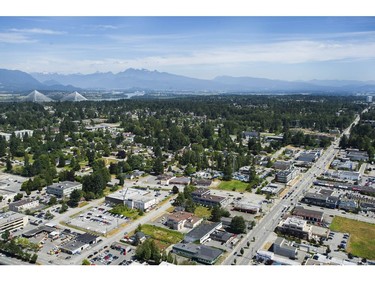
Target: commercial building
{"points": [[23, 205], [348, 205], [309, 156], [344, 175], [180, 220], [295, 227], [285, 248], [286, 175], [221, 236], [344, 165], [309, 215], [73, 247], [164, 179], [246, 206], [202, 232], [201, 182], [276, 259], [63, 189], [251, 135], [133, 198], [282, 165], [200, 253], [202, 196], [323, 198], [11, 220], [356, 155], [272, 189], [180, 181]]}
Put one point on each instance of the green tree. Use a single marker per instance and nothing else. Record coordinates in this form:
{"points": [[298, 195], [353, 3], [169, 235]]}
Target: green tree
{"points": [[86, 262], [8, 165], [238, 225], [217, 213], [175, 190], [74, 198], [3, 146], [33, 258], [61, 161], [52, 201], [64, 208], [5, 236], [158, 167]]}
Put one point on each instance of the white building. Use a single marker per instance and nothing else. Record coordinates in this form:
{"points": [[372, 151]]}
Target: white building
{"points": [[21, 133], [5, 135], [11, 220], [133, 198], [23, 205], [64, 188], [369, 99]]}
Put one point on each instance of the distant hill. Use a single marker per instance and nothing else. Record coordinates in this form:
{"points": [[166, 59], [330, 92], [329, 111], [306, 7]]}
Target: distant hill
{"points": [[15, 80], [142, 79]]}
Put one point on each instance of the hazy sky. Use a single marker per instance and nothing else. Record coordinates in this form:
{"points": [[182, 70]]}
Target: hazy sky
{"points": [[288, 48]]}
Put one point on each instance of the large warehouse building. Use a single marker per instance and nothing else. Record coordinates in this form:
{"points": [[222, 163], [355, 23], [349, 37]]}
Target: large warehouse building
{"points": [[134, 198]]}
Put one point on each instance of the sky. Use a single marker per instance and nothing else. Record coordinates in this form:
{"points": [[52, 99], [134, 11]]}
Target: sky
{"points": [[285, 48]]}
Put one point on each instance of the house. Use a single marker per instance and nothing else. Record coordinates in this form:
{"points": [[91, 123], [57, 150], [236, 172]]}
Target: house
{"points": [[309, 215], [200, 253], [22, 133], [202, 232], [250, 135], [285, 248], [180, 220], [63, 189], [286, 176], [202, 196], [23, 205], [295, 227], [6, 136], [11, 220]]}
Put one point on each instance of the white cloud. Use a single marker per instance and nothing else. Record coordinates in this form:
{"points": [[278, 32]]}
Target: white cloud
{"points": [[15, 38], [38, 31]]}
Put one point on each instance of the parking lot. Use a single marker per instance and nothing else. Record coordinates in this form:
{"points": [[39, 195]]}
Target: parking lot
{"points": [[110, 256], [98, 219]]}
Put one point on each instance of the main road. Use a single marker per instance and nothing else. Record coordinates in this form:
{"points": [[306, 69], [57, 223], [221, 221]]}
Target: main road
{"points": [[269, 222]]}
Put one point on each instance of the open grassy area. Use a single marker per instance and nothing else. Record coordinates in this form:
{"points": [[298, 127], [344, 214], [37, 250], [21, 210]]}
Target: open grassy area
{"points": [[362, 236], [162, 234], [202, 212], [125, 211], [234, 185]]}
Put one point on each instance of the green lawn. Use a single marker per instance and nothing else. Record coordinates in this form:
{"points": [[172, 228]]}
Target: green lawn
{"points": [[202, 212], [125, 211], [362, 236], [234, 185], [162, 234]]}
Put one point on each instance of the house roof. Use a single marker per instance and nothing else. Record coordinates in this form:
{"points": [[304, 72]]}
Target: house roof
{"points": [[180, 216]]}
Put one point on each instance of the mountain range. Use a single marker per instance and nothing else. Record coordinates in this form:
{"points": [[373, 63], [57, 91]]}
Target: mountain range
{"points": [[142, 79]]}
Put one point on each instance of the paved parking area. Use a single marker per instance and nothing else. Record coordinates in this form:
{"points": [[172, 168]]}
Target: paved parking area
{"points": [[98, 219], [109, 256]]}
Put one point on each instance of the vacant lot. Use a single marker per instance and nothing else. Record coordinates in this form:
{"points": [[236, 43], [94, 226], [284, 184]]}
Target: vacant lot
{"points": [[362, 236], [233, 185], [162, 234], [125, 211], [202, 212]]}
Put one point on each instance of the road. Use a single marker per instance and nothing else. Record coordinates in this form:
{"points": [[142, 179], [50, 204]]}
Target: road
{"points": [[269, 222]]}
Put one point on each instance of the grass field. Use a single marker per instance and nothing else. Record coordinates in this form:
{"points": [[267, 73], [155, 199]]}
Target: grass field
{"points": [[202, 212], [162, 234], [362, 236], [234, 185], [125, 211]]}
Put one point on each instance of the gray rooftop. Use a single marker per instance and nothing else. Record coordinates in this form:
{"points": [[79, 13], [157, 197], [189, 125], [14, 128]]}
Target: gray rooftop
{"points": [[201, 230], [65, 184], [73, 245], [10, 216]]}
